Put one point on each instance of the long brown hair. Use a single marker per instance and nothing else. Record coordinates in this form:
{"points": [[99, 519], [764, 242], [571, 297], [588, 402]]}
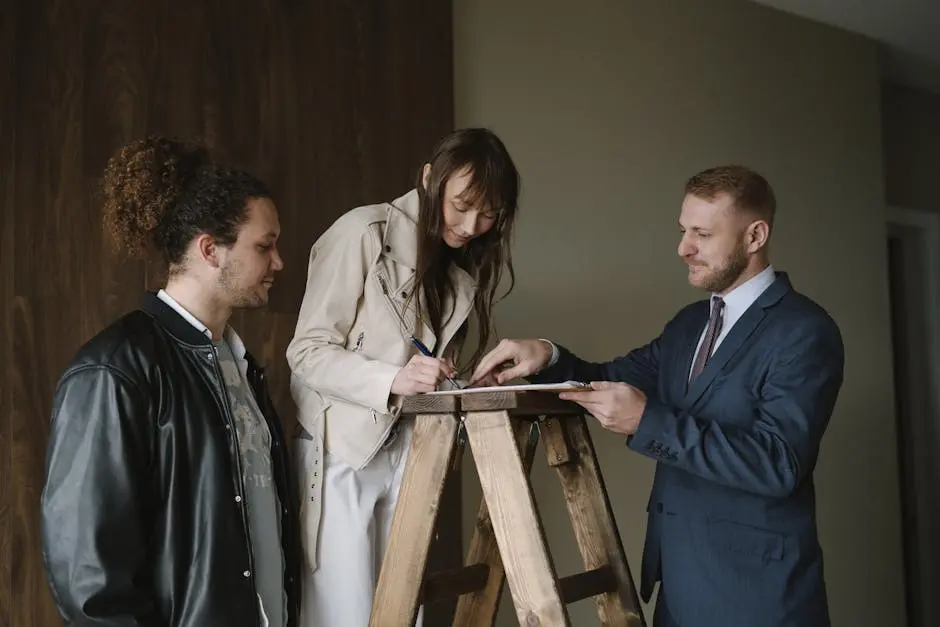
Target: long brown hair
{"points": [[495, 185]]}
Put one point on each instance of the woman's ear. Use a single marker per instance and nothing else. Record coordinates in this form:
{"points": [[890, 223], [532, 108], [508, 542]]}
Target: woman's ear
{"points": [[425, 175]]}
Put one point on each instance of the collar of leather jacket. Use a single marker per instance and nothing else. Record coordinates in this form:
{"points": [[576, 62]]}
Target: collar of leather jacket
{"points": [[172, 321], [181, 329]]}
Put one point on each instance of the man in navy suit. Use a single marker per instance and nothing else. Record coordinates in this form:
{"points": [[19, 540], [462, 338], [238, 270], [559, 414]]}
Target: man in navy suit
{"points": [[731, 400]]}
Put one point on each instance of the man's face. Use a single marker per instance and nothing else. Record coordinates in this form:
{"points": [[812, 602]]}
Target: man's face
{"points": [[246, 269], [713, 242]]}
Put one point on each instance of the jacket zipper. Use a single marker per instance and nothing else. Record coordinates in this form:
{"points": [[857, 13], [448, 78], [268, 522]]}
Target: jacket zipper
{"points": [[390, 303]]}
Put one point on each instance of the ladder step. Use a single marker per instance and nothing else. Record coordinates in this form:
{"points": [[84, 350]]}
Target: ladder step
{"points": [[587, 584], [453, 582]]}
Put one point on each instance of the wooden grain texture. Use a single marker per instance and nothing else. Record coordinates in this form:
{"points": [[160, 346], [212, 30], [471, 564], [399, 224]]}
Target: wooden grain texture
{"points": [[7, 191], [520, 404], [516, 523], [55, 275], [593, 519], [478, 609], [401, 578], [333, 102], [425, 404]]}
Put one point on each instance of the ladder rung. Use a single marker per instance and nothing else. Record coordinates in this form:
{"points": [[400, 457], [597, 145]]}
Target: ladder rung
{"points": [[453, 582], [587, 584]]}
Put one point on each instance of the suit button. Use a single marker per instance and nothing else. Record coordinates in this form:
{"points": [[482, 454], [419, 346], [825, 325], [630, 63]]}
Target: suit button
{"points": [[388, 249], [247, 574], [238, 499]]}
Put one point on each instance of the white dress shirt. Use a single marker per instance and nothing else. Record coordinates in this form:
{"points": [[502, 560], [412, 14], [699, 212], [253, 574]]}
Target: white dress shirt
{"points": [[737, 301]]}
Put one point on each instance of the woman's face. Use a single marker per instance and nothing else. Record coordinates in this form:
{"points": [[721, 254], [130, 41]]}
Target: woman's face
{"points": [[463, 221]]}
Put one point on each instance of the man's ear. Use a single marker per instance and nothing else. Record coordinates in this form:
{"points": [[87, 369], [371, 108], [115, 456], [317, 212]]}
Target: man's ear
{"points": [[208, 250], [757, 235]]}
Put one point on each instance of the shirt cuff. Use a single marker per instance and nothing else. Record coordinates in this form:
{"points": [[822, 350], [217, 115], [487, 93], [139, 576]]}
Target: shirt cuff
{"points": [[554, 359]]}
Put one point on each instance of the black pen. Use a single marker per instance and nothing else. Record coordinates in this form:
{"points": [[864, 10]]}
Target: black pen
{"points": [[401, 320], [424, 351]]}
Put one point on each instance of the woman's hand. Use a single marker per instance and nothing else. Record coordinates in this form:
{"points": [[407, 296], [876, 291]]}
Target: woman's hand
{"points": [[420, 375]]}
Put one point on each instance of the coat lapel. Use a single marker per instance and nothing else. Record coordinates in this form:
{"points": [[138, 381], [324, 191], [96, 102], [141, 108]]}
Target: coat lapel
{"points": [[742, 330], [401, 245], [686, 354], [736, 338]]}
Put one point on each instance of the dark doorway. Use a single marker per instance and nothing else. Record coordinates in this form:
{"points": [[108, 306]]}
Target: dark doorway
{"points": [[914, 413]]}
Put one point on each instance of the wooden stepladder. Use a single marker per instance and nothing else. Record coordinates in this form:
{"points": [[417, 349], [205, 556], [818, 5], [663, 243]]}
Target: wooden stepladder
{"points": [[503, 430]]}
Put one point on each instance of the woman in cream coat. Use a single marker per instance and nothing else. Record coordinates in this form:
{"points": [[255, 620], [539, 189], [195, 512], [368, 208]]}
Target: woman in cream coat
{"points": [[424, 263]]}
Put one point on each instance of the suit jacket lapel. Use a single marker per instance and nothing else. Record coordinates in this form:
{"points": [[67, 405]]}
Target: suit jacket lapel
{"points": [[740, 332], [729, 346], [689, 343]]}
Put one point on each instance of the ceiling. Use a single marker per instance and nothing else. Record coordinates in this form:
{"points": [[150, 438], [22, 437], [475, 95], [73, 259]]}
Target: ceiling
{"points": [[909, 31]]}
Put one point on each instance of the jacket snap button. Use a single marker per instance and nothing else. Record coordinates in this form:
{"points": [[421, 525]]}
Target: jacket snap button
{"points": [[246, 574], [238, 499]]}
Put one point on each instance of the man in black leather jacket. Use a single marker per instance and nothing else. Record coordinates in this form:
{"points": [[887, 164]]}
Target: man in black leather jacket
{"points": [[168, 497]]}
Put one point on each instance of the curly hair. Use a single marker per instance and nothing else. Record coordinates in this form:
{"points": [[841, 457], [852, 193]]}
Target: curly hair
{"points": [[160, 193]]}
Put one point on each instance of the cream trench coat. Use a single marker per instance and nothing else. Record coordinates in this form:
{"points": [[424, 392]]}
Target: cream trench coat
{"points": [[349, 344]]}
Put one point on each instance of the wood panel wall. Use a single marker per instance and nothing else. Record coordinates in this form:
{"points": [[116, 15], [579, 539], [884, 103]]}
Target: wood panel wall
{"points": [[333, 102]]}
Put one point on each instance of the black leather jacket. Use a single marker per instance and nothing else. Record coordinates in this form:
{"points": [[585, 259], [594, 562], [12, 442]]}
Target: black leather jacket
{"points": [[140, 520]]}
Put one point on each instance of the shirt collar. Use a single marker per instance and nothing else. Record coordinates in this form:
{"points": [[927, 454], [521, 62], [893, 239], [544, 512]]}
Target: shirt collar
{"points": [[743, 296], [234, 341]]}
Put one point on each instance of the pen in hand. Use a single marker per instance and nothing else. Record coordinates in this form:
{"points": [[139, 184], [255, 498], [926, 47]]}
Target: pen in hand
{"points": [[427, 353]]}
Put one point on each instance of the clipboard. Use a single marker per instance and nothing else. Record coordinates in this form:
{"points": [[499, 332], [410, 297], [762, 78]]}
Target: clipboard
{"points": [[567, 386]]}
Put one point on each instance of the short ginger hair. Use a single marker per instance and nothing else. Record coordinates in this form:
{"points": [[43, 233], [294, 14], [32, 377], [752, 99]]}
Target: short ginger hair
{"points": [[748, 190]]}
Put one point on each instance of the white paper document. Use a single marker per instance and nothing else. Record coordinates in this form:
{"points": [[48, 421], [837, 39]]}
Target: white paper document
{"points": [[526, 387]]}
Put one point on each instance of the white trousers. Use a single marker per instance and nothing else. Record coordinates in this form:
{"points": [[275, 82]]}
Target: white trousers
{"points": [[356, 517]]}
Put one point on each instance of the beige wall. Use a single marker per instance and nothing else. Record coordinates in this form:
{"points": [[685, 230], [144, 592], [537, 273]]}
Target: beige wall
{"points": [[911, 147], [608, 106]]}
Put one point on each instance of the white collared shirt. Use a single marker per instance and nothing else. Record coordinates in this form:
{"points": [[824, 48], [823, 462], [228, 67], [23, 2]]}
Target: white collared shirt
{"points": [[737, 301], [234, 341], [191, 319]]}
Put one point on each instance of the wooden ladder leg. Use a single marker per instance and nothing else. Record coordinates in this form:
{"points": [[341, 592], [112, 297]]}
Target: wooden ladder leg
{"points": [[402, 573], [516, 524], [478, 609], [570, 451]]}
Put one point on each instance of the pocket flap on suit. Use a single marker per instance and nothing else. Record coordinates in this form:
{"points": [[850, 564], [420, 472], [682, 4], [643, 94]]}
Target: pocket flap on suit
{"points": [[745, 539]]}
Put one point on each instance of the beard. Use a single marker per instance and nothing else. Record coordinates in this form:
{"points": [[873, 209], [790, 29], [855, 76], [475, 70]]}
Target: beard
{"points": [[239, 296], [722, 277]]}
